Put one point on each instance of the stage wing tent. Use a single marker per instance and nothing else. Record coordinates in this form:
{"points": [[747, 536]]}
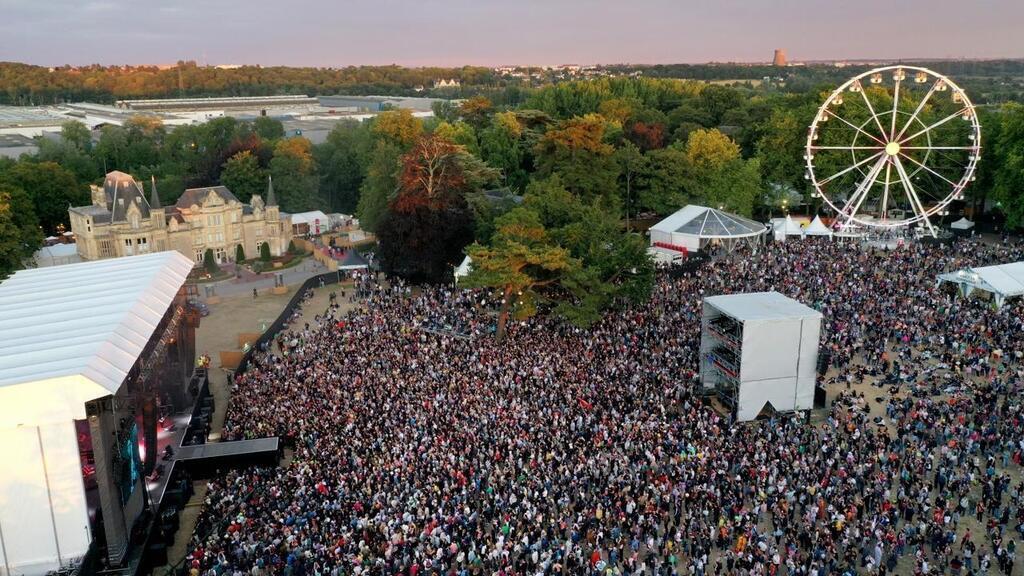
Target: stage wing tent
{"points": [[1002, 280], [698, 227], [68, 335]]}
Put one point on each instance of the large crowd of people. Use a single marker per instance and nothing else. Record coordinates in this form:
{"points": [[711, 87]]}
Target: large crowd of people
{"points": [[423, 446]]}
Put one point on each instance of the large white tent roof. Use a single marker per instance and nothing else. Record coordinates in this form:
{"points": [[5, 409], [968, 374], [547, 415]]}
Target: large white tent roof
{"points": [[78, 329], [761, 306], [708, 223], [1004, 280]]}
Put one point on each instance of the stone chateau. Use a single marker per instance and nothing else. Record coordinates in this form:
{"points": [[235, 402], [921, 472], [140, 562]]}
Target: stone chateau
{"points": [[121, 222]]}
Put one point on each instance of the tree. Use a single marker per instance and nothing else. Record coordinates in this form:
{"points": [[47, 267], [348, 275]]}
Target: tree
{"points": [[662, 181], [647, 129], [460, 133], [243, 176], [209, 263], [735, 187], [501, 147], [429, 222], [445, 110], [1008, 153], [613, 264], [51, 188], [476, 111], [265, 252], [780, 149], [576, 150], [239, 253], [76, 134], [343, 160], [70, 151], [431, 172], [631, 161], [268, 128], [710, 150], [295, 178], [716, 100], [398, 127], [19, 229], [520, 264], [380, 185], [421, 242], [618, 110]]}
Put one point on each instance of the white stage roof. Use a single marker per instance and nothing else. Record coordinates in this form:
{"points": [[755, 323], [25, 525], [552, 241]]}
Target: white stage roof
{"points": [[84, 323], [761, 306]]}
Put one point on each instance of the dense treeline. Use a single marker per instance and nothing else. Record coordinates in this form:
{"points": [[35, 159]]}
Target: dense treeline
{"points": [[993, 81], [25, 84], [542, 194]]}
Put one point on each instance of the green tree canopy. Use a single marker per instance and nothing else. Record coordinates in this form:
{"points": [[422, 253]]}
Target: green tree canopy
{"points": [[51, 188], [243, 176]]}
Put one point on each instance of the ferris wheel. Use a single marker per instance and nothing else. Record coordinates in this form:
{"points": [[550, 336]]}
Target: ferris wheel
{"points": [[892, 147]]}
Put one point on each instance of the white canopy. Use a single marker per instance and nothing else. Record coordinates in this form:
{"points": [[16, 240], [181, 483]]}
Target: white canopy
{"points": [[1002, 280], [311, 219], [695, 227], [70, 334], [817, 228], [462, 270], [962, 224]]}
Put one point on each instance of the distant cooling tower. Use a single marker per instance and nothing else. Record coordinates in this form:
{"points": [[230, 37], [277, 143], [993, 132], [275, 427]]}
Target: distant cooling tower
{"points": [[780, 57]]}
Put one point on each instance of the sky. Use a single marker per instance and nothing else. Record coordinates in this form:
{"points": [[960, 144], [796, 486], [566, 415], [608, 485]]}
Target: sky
{"points": [[493, 32]]}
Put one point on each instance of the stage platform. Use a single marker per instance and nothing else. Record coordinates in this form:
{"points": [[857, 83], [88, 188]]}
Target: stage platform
{"points": [[203, 459]]}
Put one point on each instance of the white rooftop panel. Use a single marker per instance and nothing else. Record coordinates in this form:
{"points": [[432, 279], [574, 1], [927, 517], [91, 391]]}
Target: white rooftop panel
{"points": [[91, 319], [761, 306]]}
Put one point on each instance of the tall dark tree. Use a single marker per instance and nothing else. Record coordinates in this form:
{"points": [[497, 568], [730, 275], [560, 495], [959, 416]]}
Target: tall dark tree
{"points": [[429, 222]]}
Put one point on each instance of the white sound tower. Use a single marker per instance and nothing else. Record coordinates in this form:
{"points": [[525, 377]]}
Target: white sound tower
{"points": [[759, 351]]}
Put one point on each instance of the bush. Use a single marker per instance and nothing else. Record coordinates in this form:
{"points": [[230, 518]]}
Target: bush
{"points": [[265, 252], [209, 263], [239, 254], [293, 249]]}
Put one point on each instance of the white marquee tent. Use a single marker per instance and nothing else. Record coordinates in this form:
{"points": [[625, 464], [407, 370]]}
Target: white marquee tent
{"points": [[962, 224], [462, 270], [817, 228], [698, 227], [783, 227], [316, 220], [1002, 280], [68, 334]]}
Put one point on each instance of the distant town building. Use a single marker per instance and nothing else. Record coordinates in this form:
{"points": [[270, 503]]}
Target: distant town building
{"points": [[780, 57], [121, 222], [447, 83]]}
